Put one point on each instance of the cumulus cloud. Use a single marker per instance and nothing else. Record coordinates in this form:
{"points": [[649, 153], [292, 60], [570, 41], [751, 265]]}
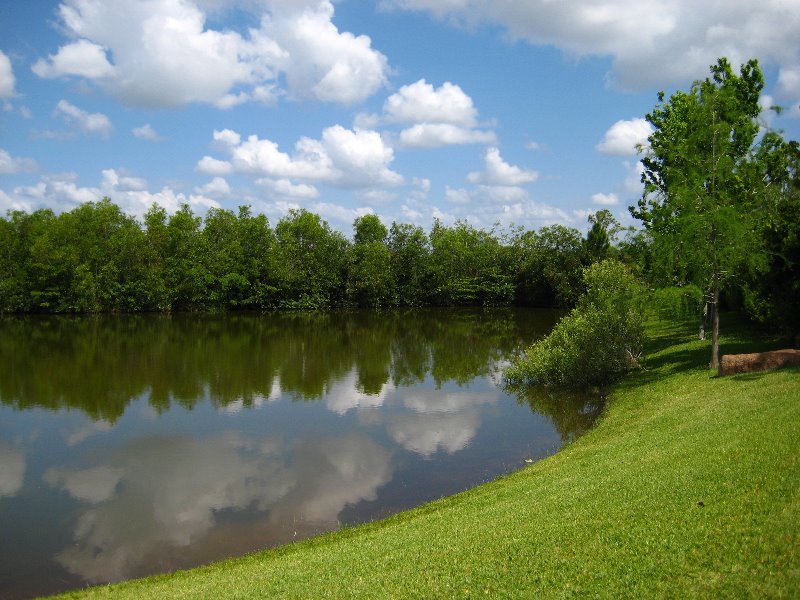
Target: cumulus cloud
{"points": [[319, 60], [650, 42], [7, 80], [338, 213], [81, 58], [286, 189], [121, 182], [212, 166], [440, 116], [12, 164], [146, 132], [605, 199], [89, 123], [433, 135], [789, 81], [497, 172], [216, 188], [420, 102], [162, 53], [342, 157], [625, 137], [61, 192]]}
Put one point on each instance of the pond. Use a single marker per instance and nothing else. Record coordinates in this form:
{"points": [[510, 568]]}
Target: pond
{"points": [[132, 445]]}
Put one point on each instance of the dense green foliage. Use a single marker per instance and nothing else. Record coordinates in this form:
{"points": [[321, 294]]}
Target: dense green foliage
{"points": [[97, 259], [600, 339], [689, 487], [720, 201]]}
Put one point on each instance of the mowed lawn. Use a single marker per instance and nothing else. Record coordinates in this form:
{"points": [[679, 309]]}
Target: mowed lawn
{"points": [[689, 486]]}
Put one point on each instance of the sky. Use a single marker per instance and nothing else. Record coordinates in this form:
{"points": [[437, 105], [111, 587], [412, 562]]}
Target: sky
{"points": [[522, 113]]}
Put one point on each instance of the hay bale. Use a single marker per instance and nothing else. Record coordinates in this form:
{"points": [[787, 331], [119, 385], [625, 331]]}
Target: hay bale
{"points": [[758, 361]]}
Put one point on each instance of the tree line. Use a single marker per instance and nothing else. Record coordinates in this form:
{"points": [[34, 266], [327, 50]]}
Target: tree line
{"points": [[95, 258]]}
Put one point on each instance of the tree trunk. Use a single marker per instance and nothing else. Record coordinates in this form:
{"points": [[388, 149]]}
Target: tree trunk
{"points": [[703, 317], [715, 323]]}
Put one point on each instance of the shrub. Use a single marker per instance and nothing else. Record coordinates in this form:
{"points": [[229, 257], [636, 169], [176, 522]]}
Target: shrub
{"points": [[601, 338]]}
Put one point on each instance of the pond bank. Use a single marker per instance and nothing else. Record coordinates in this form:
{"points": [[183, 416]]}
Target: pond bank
{"points": [[688, 486]]}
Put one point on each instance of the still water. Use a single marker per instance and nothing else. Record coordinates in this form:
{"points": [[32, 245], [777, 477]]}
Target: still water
{"points": [[132, 445]]}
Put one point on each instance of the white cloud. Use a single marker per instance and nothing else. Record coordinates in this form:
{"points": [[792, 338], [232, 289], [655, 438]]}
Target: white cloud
{"points": [[146, 132], [789, 81], [212, 166], [442, 116], [433, 135], [216, 188], [651, 42], [7, 80], [457, 196], [11, 164], [319, 60], [633, 180], [62, 193], [623, 137], [90, 123], [605, 199], [342, 157], [227, 138], [361, 156], [81, 58], [163, 53], [497, 172], [341, 214], [285, 188], [123, 183], [420, 103]]}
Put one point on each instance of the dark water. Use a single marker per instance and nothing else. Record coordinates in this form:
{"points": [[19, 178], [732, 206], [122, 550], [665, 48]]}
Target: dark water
{"points": [[132, 445]]}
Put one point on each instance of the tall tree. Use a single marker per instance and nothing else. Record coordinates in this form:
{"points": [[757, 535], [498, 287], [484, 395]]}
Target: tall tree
{"points": [[370, 275], [700, 193]]}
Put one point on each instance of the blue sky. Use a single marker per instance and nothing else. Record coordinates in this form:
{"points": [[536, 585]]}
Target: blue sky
{"points": [[519, 112]]}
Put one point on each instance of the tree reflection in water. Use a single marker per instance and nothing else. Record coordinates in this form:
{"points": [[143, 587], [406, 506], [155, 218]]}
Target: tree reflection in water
{"points": [[136, 444]]}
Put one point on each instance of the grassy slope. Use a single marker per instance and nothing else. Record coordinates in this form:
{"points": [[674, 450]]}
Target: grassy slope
{"points": [[689, 486]]}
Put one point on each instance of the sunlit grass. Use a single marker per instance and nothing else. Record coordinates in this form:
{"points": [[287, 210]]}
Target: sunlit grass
{"points": [[689, 486]]}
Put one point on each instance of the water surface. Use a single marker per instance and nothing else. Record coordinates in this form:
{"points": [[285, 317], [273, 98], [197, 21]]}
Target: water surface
{"points": [[132, 445]]}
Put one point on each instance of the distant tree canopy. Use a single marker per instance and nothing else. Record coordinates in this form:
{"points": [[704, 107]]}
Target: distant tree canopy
{"points": [[97, 259]]}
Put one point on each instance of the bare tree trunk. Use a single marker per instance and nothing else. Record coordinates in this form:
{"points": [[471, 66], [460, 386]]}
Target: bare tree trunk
{"points": [[715, 323]]}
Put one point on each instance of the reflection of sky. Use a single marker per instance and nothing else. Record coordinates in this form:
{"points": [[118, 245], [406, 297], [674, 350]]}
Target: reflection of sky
{"points": [[344, 395], [178, 483], [426, 434], [167, 492], [12, 470]]}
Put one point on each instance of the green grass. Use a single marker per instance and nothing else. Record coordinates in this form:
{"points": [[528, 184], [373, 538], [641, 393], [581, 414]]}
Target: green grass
{"points": [[688, 487]]}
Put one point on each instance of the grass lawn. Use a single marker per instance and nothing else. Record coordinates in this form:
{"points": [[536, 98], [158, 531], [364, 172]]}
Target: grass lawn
{"points": [[689, 486]]}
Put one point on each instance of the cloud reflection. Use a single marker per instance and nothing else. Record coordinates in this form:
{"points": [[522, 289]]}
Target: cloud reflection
{"points": [[12, 471], [440, 420], [168, 492], [426, 434], [345, 394]]}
